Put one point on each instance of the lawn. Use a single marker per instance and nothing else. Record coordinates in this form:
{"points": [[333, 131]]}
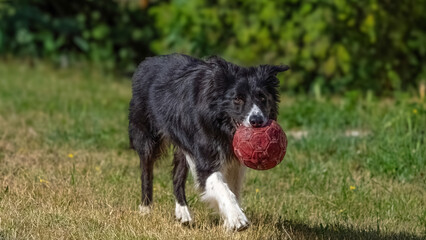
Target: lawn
{"points": [[355, 166]]}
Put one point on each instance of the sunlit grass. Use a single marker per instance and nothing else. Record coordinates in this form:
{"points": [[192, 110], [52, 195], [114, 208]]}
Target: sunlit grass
{"points": [[66, 170]]}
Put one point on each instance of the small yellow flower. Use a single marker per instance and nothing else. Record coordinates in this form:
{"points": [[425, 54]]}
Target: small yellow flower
{"points": [[70, 155], [352, 187], [341, 210], [415, 111], [42, 180], [98, 169], [257, 190]]}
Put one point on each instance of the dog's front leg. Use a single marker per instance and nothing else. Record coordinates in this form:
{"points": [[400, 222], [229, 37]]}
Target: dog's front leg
{"points": [[233, 174], [218, 193]]}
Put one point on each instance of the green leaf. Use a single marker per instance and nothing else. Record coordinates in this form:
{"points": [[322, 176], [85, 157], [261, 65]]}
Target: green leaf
{"points": [[100, 32], [24, 36], [81, 43], [330, 66]]}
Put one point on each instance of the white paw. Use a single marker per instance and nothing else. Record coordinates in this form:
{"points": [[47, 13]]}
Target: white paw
{"points": [[144, 210], [182, 213], [236, 220]]}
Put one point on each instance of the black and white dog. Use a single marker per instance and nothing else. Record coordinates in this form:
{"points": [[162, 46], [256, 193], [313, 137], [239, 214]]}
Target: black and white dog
{"points": [[196, 105]]}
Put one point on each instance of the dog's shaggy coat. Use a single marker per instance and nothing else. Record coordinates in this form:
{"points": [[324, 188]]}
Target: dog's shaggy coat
{"points": [[196, 105]]}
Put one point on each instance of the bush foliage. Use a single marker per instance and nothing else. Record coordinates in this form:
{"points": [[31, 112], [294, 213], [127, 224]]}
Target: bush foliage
{"points": [[334, 45], [106, 32]]}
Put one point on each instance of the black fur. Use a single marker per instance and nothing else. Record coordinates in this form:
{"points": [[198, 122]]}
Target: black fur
{"points": [[180, 172], [195, 105]]}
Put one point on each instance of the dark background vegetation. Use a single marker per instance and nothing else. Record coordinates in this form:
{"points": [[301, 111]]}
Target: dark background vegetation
{"points": [[332, 45]]}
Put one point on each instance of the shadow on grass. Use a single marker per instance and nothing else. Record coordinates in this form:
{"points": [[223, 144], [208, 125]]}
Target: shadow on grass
{"points": [[297, 230], [2, 235]]}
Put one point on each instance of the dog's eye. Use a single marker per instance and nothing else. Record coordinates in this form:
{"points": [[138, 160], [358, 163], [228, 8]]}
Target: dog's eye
{"points": [[238, 100], [262, 98]]}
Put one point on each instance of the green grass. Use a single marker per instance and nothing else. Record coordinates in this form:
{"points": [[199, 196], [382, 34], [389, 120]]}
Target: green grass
{"points": [[329, 186]]}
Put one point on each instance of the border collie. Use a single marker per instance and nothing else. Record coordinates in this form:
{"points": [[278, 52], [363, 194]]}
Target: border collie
{"points": [[196, 105]]}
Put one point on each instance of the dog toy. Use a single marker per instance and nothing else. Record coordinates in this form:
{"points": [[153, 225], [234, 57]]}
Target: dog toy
{"points": [[260, 148]]}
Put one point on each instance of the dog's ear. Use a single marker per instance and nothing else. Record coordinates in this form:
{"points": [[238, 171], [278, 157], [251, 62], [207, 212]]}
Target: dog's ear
{"points": [[221, 64], [274, 70], [224, 69]]}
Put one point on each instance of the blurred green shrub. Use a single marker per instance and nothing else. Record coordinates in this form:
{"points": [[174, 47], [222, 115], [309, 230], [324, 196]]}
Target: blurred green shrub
{"points": [[334, 45], [331, 45], [105, 32]]}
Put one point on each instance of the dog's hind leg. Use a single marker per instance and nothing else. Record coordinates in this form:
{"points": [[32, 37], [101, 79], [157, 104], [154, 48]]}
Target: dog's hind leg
{"points": [[148, 146], [180, 173]]}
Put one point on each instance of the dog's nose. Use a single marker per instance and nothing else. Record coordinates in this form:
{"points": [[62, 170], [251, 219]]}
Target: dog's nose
{"points": [[256, 120]]}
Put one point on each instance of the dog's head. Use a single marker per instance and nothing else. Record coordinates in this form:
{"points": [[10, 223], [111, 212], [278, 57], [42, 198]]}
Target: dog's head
{"points": [[250, 95]]}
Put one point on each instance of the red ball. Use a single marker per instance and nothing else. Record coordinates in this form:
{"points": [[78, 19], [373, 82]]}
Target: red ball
{"points": [[260, 148]]}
